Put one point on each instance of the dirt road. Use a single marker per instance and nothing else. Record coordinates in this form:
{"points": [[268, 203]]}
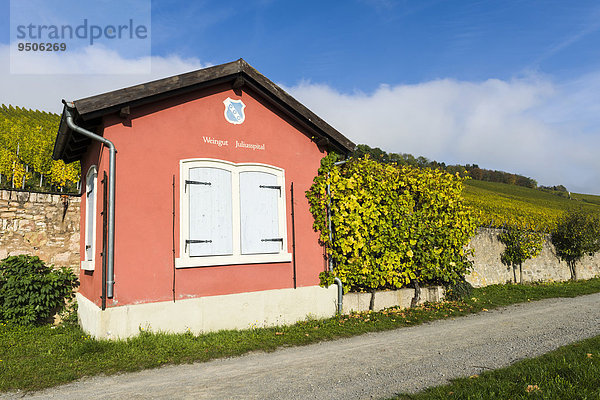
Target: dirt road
{"points": [[369, 366]]}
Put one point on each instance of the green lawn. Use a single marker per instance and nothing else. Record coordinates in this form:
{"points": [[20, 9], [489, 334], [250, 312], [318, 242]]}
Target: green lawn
{"points": [[571, 372], [35, 358]]}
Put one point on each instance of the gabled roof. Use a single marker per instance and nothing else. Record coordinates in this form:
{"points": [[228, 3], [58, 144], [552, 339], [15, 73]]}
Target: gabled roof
{"points": [[70, 145]]}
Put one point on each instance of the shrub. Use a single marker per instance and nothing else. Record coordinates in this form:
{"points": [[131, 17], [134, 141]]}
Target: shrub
{"points": [[392, 226], [31, 292], [576, 234], [459, 291]]}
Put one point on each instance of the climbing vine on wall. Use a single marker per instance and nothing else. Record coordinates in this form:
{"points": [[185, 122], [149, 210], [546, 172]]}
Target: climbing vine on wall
{"points": [[391, 225]]}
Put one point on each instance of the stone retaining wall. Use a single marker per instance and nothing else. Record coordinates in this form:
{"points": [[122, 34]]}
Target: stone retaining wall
{"points": [[489, 270], [44, 225]]}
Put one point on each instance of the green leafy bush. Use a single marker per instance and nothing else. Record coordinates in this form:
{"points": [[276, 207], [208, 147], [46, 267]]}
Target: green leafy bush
{"points": [[459, 291], [31, 292], [392, 225], [576, 234]]}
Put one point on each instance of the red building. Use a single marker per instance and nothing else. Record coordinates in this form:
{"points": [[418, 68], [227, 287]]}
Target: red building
{"points": [[204, 224]]}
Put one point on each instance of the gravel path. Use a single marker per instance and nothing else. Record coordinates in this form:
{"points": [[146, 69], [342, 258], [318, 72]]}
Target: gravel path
{"points": [[369, 366]]}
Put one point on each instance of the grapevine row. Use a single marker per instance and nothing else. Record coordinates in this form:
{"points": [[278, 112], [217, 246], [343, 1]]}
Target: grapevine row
{"points": [[26, 144], [503, 206]]}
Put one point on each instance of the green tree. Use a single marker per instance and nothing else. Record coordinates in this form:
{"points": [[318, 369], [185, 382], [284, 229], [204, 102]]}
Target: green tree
{"points": [[576, 234], [521, 245]]}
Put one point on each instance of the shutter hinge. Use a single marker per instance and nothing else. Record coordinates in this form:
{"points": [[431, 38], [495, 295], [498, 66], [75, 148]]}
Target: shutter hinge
{"points": [[195, 241], [271, 187], [280, 240], [187, 182]]}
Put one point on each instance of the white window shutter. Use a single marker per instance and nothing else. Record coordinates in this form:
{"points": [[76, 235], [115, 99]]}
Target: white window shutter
{"points": [[210, 212], [90, 219], [259, 214]]}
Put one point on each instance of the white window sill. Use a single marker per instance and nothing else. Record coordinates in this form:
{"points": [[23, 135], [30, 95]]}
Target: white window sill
{"points": [[87, 265], [207, 261]]}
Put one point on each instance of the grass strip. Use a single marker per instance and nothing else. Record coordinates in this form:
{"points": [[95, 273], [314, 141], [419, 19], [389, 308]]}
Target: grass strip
{"points": [[570, 372], [33, 358]]}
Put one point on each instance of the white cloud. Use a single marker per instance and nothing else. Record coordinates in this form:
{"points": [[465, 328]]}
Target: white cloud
{"points": [[45, 92], [531, 126]]}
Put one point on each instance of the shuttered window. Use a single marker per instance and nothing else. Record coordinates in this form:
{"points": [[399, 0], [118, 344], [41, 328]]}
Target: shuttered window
{"points": [[210, 212], [259, 198], [231, 214], [90, 219]]}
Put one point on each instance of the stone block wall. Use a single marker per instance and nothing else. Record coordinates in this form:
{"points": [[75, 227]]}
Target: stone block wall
{"points": [[489, 270], [44, 225]]}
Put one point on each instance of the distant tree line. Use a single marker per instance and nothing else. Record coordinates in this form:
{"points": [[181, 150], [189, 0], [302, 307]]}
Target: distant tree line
{"points": [[472, 171], [558, 188]]}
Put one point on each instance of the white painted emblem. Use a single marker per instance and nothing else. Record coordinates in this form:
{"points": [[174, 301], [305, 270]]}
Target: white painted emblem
{"points": [[234, 111]]}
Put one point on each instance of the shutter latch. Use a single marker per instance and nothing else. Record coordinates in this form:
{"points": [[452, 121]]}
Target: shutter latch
{"points": [[195, 241]]}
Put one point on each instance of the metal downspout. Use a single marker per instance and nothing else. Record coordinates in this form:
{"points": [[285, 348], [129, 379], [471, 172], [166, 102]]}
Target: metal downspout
{"points": [[110, 248], [336, 280], [329, 259]]}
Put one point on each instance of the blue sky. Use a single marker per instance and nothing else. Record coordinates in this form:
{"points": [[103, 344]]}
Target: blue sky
{"points": [[509, 85], [357, 45], [360, 44]]}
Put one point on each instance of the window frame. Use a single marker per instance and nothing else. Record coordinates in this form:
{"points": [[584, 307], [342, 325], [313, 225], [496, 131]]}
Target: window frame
{"points": [[186, 261], [90, 218]]}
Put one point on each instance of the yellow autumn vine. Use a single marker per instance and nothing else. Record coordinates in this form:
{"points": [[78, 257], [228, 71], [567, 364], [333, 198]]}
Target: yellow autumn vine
{"points": [[391, 225], [26, 143]]}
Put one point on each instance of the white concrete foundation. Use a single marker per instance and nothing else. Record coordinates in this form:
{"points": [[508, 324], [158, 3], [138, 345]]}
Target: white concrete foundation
{"points": [[208, 314], [359, 302]]}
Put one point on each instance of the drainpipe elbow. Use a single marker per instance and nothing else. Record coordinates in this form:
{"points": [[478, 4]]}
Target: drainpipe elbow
{"points": [[340, 294]]}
